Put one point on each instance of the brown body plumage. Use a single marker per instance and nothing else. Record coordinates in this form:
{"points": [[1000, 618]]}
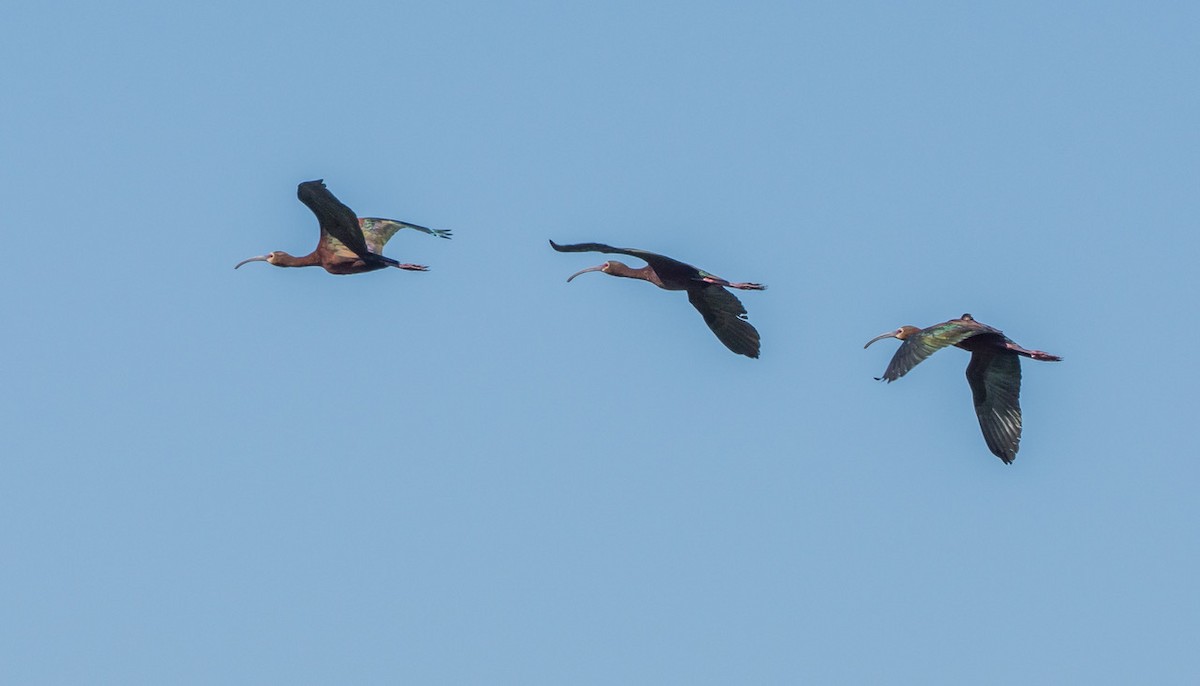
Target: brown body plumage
{"points": [[347, 245]]}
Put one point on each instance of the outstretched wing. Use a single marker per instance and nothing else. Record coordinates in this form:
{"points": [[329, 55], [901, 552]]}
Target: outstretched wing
{"points": [[335, 219], [379, 231], [339, 227], [726, 316], [995, 379], [921, 345], [661, 263]]}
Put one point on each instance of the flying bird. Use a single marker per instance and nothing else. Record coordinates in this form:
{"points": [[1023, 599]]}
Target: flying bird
{"points": [[723, 312], [994, 373], [348, 245]]}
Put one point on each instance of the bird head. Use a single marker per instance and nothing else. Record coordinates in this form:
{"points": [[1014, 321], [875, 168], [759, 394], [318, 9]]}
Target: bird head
{"points": [[901, 334], [606, 268], [272, 258]]}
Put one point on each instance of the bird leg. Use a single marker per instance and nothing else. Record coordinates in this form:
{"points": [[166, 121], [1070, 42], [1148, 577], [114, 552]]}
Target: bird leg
{"points": [[1032, 354], [729, 284], [413, 267]]}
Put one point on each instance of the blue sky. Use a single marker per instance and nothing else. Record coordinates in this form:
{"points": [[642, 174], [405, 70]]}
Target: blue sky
{"points": [[482, 474]]}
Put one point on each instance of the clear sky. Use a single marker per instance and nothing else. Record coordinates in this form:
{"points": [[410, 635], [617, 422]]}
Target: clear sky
{"points": [[483, 474]]}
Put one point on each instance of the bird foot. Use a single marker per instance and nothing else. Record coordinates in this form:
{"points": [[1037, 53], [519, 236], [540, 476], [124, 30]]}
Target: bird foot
{"points": [[413, 267], [749, 286]]}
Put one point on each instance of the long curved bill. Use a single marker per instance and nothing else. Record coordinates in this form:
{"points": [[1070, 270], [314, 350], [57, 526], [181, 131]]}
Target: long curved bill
{"points": [[585, 271], [260, 258], [880, 337]]}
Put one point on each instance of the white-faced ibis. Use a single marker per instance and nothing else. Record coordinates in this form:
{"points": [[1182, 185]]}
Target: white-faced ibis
{"points": [[348, 245], [722, 311], [994, 373]]}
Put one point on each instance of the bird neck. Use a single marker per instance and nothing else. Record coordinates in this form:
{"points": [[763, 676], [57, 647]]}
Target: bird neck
{"points": [[643, 273], [286, 260]]}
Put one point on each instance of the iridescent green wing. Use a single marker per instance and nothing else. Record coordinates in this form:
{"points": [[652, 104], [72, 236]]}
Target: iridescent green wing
{"points": [[921, 345], [337, 249], [726, 316], [995, 378], [379, 231]]}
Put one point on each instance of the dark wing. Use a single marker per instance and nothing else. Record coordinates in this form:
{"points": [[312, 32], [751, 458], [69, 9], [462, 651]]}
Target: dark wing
{"points": [[337, 221], [921, 345], [995, 379], [599, 247], [379, 231], [726, 316], [661, 263]]}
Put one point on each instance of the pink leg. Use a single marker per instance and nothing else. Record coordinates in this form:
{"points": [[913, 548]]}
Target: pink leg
{"points": [[412, 267], [1033, 354], [1045, 357], [749, 286], [729, 284]]}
